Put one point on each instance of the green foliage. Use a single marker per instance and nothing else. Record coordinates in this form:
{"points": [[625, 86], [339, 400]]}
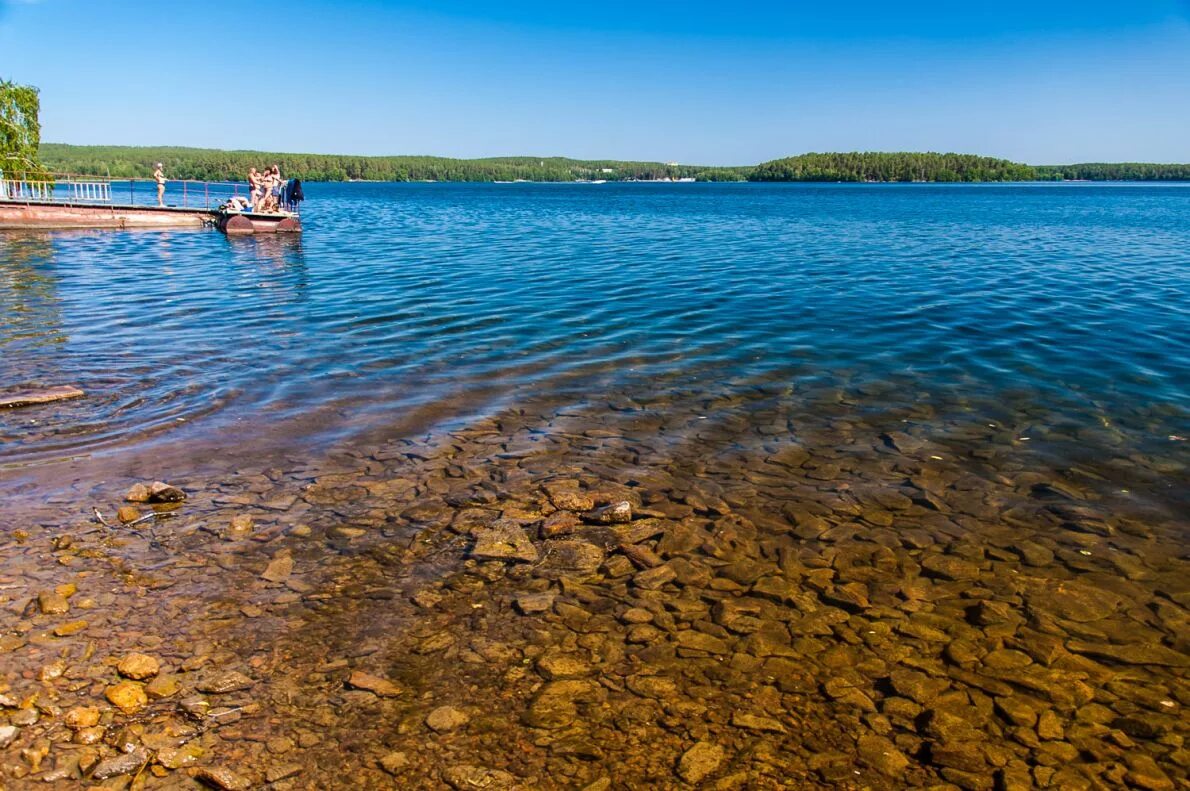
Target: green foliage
{"points": [[214, 165], [901, 166], [1120, 171], [20, 129]]}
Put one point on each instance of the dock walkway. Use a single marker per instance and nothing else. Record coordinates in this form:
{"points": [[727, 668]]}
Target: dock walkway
{"points": [[80, 201]]}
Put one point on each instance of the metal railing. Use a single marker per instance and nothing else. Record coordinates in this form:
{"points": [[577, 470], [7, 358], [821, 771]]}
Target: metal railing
{"points": [[68, 189]]}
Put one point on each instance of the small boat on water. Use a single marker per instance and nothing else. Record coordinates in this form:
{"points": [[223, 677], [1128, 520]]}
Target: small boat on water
{"points": [[73, 201]]}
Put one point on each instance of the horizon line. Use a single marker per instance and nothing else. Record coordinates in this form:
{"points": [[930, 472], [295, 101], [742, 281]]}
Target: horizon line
{"points": [[607, 159]]}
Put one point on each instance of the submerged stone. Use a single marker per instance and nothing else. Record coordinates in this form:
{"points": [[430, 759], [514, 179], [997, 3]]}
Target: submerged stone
{"points": [[700, 761], [504, 540]]}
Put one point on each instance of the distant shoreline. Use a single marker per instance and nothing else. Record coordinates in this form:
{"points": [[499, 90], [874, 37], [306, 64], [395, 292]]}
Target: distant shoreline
{"points": [[856, 167]]}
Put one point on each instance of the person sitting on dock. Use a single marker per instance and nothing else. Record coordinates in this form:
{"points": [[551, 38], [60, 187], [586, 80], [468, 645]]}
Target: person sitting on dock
{"points": [[159, 176]]}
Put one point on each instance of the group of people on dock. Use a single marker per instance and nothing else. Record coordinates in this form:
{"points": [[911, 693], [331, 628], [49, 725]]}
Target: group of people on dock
{"points": [[265, 188], [268, 193]]}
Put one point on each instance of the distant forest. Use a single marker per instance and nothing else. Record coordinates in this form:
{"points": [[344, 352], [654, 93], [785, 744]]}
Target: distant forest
{"points": [[216, 165], [892, 167]]}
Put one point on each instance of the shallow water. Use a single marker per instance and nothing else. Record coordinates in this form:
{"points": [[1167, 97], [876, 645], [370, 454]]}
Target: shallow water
{"points": [[458, 298], [906, 469]]}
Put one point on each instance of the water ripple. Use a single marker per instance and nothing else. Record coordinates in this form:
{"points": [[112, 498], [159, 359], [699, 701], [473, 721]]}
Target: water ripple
{"points": [[399, 295]]}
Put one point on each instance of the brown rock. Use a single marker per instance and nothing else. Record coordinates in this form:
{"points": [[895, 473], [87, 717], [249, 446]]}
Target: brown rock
{"points": [[756, 722], [222, 778], [569, 558], [279, 569], [1143, 772], [504, 540], [948, 567], [531, 603], [67, 629], [446, 718], [139, 493], [554, 665], [138, 666], [374, 684], [161, 492], [465, 777], [179, 757], [882, 755], [127, 513], [120, 764], [559, 523], [700, 761], [655, 578], [394, 762], [1073, 601], [45, 395], [616, 513], [52, 603], [162, 687], [222, 683], [569, 498], [128, 696], [81, 717]]}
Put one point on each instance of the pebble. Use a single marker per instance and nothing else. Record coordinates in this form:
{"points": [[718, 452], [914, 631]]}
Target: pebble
{"points": [[505, 540], [616, 513], [139, 493], [277, 773], [700, 762], [128, 696], [222, 778], [446, 718], [394, 763], [162, 687], [138, 666], [52, 603], [222, 683], [533, 603], [70, 628], [374, 684], [185, 755], [465, 777], [81, 717], [279, 569], [161, 492], [553, 666], [120, 764], [882, 755]]}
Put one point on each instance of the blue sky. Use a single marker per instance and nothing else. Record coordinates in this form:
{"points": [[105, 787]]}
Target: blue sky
{"points": [[1042, 81]]}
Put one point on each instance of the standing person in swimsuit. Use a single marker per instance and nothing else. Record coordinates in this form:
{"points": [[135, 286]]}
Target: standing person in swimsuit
{"points": [[275, 172], [253, 188], [159, 176]]}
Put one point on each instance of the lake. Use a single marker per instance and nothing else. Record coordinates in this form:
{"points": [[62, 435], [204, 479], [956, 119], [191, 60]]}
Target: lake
{"points": [[907, 469], [402, 297]]}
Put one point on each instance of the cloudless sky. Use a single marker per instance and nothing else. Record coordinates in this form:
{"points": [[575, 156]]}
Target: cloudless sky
{"points": [[700, 81]]}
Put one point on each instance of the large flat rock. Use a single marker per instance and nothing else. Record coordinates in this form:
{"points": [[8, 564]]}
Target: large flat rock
{"points": [[43, 396]]}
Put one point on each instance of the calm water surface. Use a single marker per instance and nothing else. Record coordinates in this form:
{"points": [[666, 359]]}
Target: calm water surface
{"points": [[430, 303]]}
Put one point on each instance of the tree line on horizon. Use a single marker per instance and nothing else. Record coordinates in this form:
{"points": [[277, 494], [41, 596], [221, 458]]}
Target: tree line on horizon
{"points": [[218, 165]]}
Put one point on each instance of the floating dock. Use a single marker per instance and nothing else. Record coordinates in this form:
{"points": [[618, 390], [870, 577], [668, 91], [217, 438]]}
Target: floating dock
{"points": [[69, 201]]}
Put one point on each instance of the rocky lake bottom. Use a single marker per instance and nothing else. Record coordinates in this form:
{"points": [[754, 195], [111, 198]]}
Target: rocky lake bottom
{"points": [[762, 589], [612, 487]]}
